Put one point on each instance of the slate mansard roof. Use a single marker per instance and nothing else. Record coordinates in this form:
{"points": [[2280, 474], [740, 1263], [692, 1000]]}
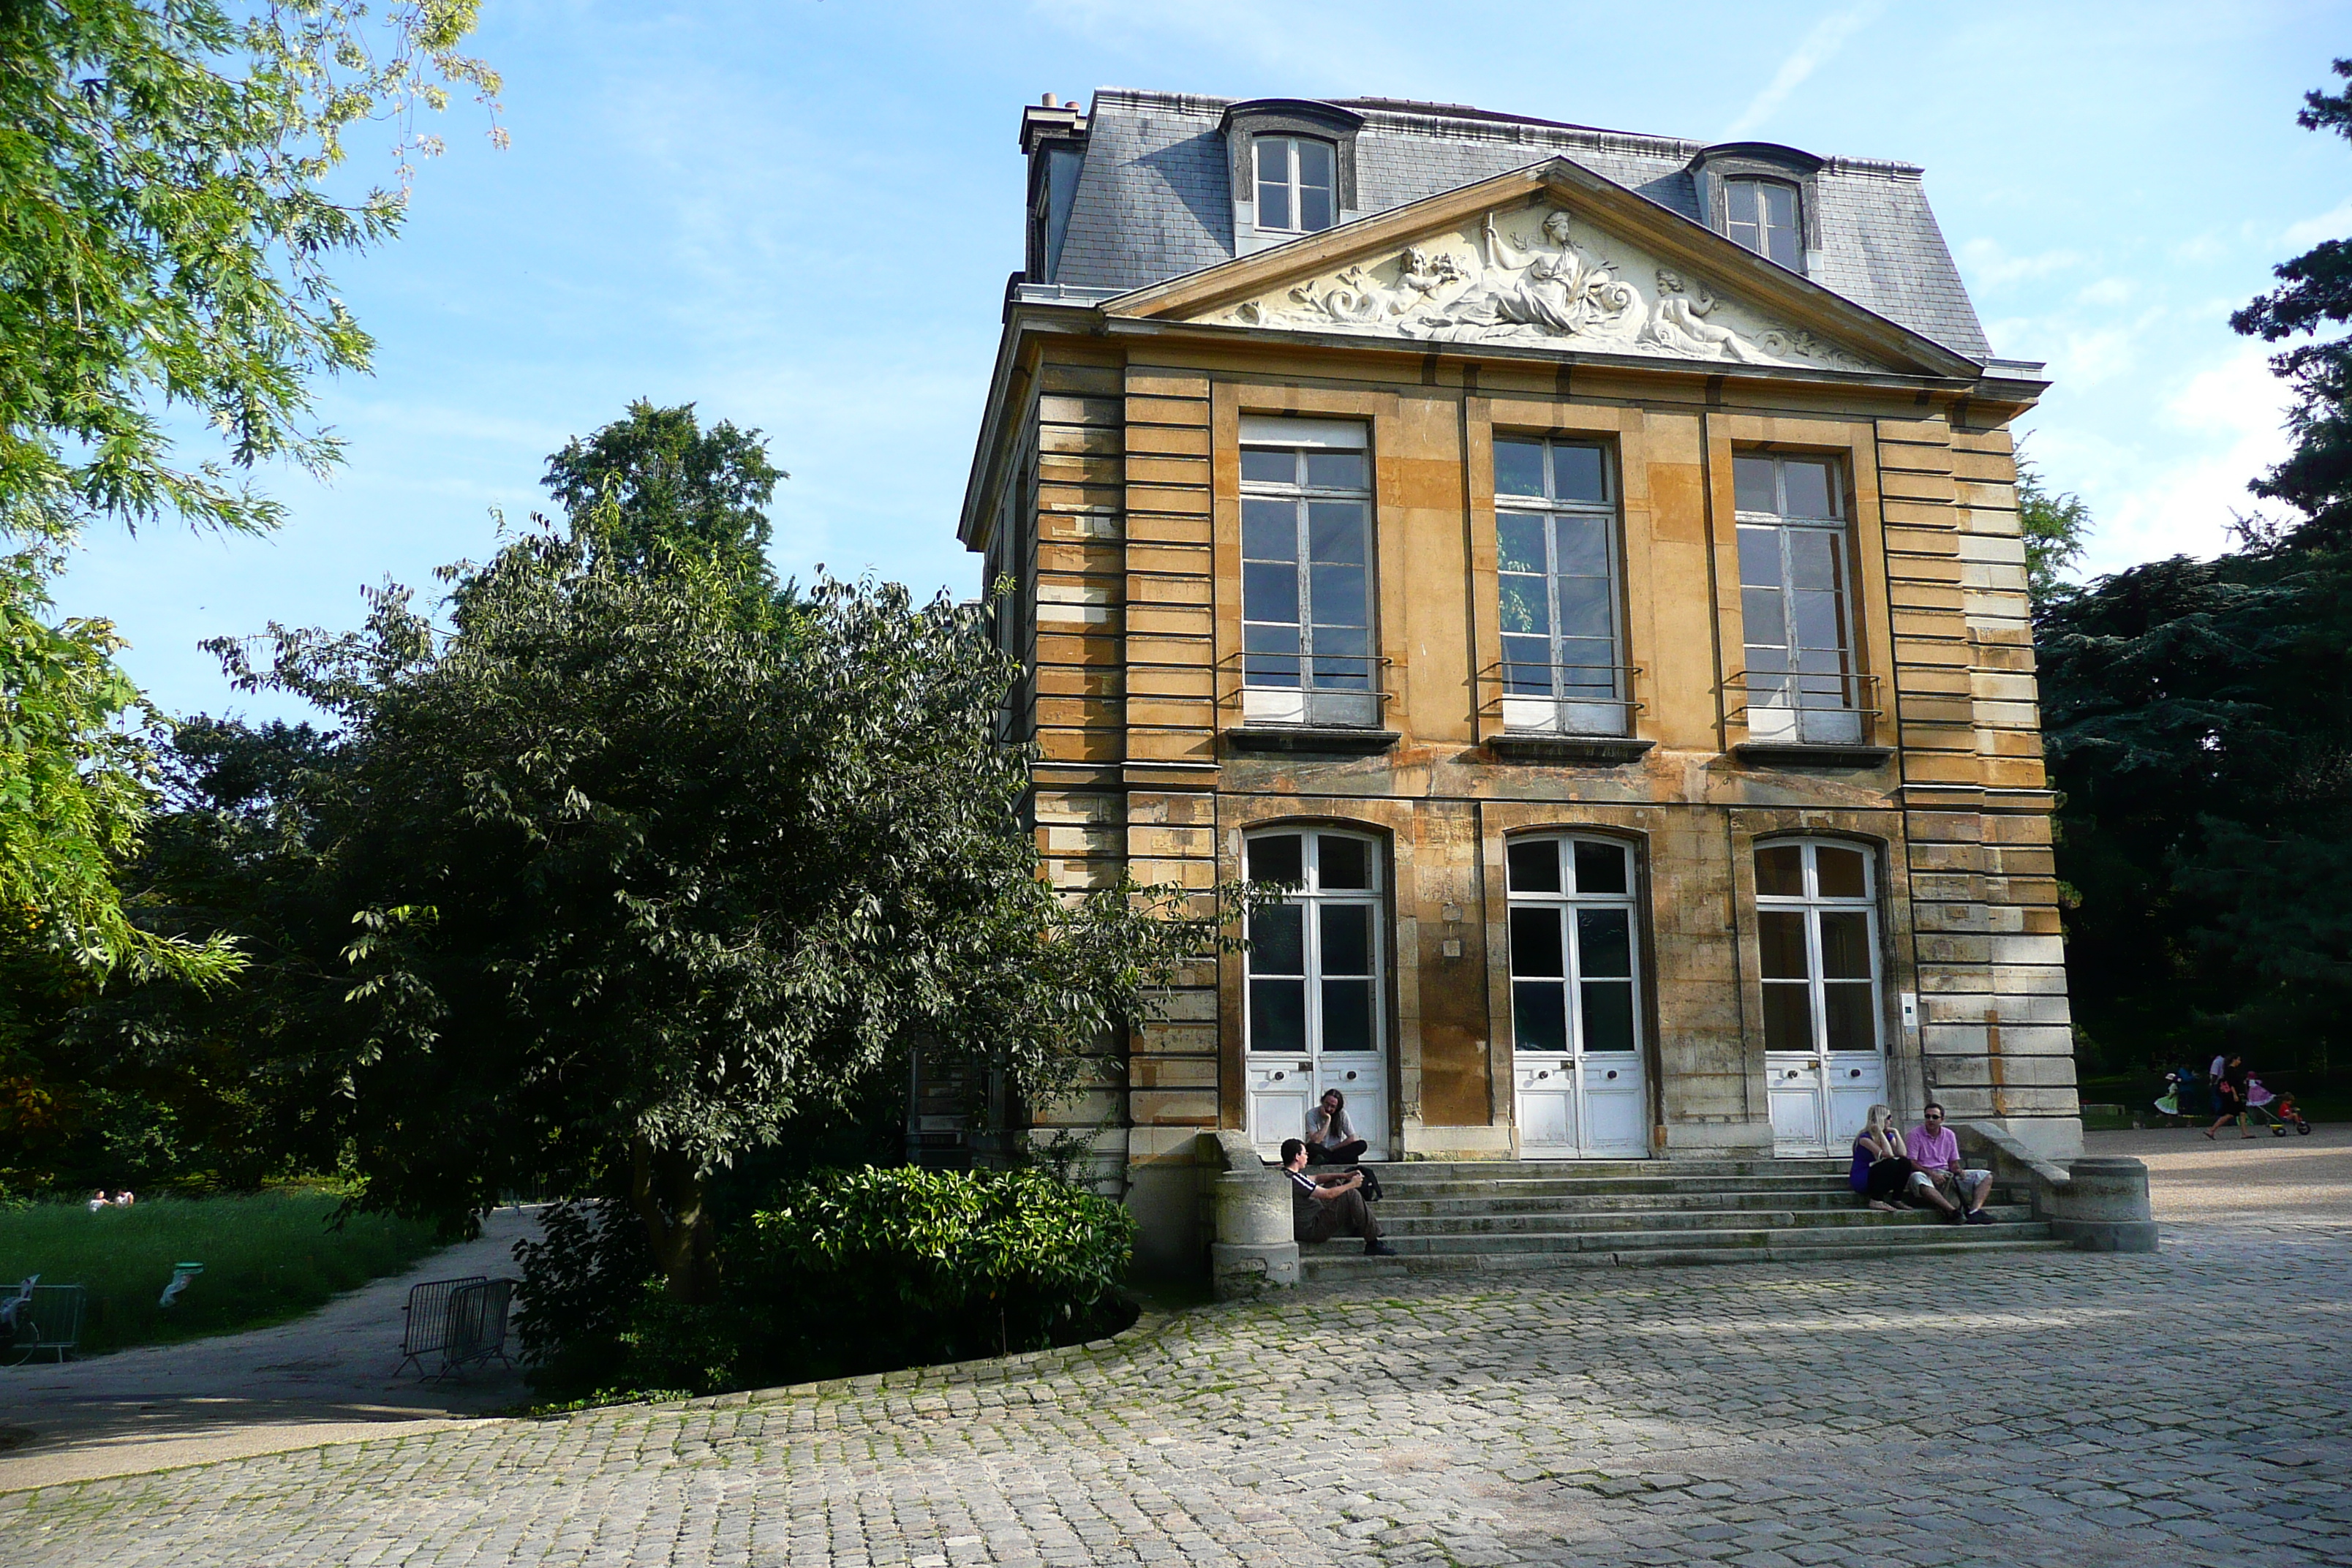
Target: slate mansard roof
{"points": [[1154, 198]]}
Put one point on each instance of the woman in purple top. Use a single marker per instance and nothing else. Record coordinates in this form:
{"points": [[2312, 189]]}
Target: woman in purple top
{"points": [[1880, 1171]]}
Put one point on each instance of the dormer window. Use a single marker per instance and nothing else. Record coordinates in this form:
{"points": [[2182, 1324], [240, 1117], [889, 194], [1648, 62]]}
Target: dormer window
{"points": [[1298, 184], [1764, 216]]}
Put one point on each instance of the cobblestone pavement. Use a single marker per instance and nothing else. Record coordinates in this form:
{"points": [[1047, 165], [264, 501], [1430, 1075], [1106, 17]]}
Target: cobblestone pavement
{"points": [[2053, 1408]]}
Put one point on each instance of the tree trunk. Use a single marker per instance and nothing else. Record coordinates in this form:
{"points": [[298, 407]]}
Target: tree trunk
{"points": [[666, 1191]]}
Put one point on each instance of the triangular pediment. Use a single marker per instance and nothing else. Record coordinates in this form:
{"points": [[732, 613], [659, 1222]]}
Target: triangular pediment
{"points": [[1553, 257]]}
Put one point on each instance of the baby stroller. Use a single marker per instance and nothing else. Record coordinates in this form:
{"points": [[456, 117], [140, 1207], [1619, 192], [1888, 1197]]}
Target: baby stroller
{"points": [[2278, 1110]]}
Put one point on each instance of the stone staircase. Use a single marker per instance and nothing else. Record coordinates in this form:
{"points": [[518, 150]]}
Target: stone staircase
{"points": [[1492, 1216]]}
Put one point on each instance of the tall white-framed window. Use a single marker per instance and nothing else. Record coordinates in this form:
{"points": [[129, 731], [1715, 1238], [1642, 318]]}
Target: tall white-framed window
{"points": [[1817, 949], [1315, 1016], [1557, 577], [1817, 938], [1766, 218], [1796, 600], [1575, 1018], [1306, 573], [1298, 182]]}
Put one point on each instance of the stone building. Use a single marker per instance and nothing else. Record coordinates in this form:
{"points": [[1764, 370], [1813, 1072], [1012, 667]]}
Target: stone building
{"points": [[1587, 564]]}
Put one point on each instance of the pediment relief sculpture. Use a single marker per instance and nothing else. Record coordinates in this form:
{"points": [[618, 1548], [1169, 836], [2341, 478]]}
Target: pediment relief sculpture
{"points": [[1531, 278]]}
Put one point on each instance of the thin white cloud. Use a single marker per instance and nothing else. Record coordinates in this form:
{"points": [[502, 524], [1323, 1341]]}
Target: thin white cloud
{"points": [[1990, 267], [1827, 37], [2336, 223]]}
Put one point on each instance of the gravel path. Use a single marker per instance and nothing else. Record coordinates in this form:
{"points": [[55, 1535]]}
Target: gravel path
{"points": [[324, 1378]]}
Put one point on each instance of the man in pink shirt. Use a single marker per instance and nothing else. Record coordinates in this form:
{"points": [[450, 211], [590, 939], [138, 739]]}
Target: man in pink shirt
{"points": [[1935, 1149]]}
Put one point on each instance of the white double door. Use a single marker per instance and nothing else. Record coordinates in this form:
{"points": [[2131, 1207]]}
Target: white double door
{"points": [[1316, 1015], [1817, 931], [1576, 1034]]}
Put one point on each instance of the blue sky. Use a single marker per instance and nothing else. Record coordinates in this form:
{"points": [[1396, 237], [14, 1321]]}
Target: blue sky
{"points": [[799, 214]]}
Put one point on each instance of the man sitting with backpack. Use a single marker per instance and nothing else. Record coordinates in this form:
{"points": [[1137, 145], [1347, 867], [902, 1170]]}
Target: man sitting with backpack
{"points": [[1325, 1206]]}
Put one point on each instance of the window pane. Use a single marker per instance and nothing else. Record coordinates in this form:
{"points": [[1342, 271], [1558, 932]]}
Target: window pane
{"points": [[1781, 871], [1269, 591], [1346, 1016], [1751, 484], [1273, 181], [1343, 863], [1809, 490], [1850, 1018], [1314, 207], [1583, 546], [1780, 944], [1277, 857], [1314, 162], [1584, 607], [1813, 557], [1585, 664], [1539, 1016], [1840, 872], [1740, 197], [1819, 623], [1608, 1008], [1534, 865], [1523, 610], [1579, 474], [1338, 659], [1273, 655], [1277, 1015], [1846, 944], [1347, 936], [1518, 468], [1527, 666], [1278, 940], [1779, 204], [1760, 614], [1782, 246], [1335, 530], [1520, 539], [1264, 466], [1335, 470], [1536, 950], [1604, 943], [1338, 597], [1270, 529], [1788, 1018], [1601, 867], [1759, 557]]}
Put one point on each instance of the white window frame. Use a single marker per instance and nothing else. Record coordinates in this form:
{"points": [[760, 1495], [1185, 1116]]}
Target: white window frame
{"points": [[1812, 905], [1822, 707], [1763, 226], [1352, 701], [1585, 710], [1313, 898], [1290, 182], [1571, 941]]}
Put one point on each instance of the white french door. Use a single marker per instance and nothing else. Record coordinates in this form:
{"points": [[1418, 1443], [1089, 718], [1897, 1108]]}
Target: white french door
{"points": [[1575, 1015], [1315, 1016], [1817, 940]]}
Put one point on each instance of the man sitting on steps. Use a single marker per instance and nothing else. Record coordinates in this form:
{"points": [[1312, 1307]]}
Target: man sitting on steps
{"points": [[1324, 1207], [1936, 1150]]}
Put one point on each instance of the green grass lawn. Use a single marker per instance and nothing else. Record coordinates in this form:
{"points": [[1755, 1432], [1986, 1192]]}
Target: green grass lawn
{"points": [[266, 1257]]}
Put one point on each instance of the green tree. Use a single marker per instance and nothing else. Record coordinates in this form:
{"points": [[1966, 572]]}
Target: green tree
{"points": [[656, 481], [641, 874], [164, 230], [2199, 726], [2057, 528]]}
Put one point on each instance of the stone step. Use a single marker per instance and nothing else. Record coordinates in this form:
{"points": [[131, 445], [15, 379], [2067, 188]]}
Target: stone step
{"points": [[1352, 1265], [1738, 1236], [1397, 1224], [1455, 1170], [1570, 1186], [1838, 1198]]}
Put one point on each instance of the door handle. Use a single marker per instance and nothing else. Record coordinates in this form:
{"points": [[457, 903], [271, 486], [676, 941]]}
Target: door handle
{"points": [[1543, 1075], [1351, 1078], [1612, 1074], [1278, 1074]]}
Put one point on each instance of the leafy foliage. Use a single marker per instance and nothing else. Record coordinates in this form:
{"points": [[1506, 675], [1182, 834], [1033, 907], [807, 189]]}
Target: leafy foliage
{"points": [[2057, 528], [166, 228], [642, 868], [655, 483]]}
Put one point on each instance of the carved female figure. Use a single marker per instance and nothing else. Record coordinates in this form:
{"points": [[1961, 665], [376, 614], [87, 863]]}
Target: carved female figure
{"points": [[1558, 292]]}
